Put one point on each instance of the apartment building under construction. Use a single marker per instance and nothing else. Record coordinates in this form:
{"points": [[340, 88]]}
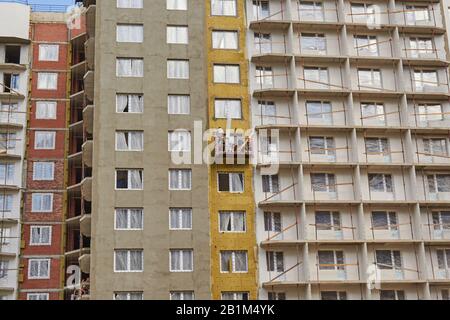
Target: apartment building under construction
{"points": [[330, 129]]}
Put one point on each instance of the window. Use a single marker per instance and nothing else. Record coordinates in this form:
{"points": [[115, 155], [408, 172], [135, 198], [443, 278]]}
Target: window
{"points": [[180, 179], [4, 266], [315, 42], [40, 236], [322, 146], [417, 14], [366, 45], [10, 81], [46, 110], [373, 112], [311, 11], [264, 77], [129, 179], [232, 221], [383, 220], [6, 201], [176, 4], [43, 171], [226, 74], [6, 174], [435, 146], [180, 141], [228, 108], [388, 259], [443, 257], [5, 235], [261, 9], [223, 8], [128, 296], [275, 261], [438, 183], [263, 43], [44, 140], [177, 35], [377, 146], [445, 294], [39, 269], [38, 296], [129, 141], [180, 218], [430, 112], [270, 184], [48, 52], [272, 222], [333, 295], [316, 77], [331, 260], [42, 202], [233, 262], [235, 296], [369, 79], [177, 69], [129, 260], [424, 79], [130, 67], [319, 112], [392, 295], [130, 33], [130, 4], [182, 260], [420, 47], [231, 182], [268, 111], [47, 81], [179, 104], [364, 13], [380, 182], [441, 220], [129, 103], [328, 220], [272, 296], [182, 295], [7, 141], [12, 54], [323, 182], [129, 219], [225, 40], [9, 112]]}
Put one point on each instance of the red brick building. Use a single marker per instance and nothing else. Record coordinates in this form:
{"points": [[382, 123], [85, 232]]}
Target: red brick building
{"points": [[42, 253]]}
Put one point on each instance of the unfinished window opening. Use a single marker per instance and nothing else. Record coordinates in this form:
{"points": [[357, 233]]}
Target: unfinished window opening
{"points": [[12, 54]]}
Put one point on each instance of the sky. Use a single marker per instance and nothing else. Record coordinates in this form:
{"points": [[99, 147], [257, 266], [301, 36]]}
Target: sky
{"points": [[57, 2]]}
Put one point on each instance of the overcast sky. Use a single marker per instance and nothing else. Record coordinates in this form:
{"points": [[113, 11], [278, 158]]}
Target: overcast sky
{"points": [[50, 1]]}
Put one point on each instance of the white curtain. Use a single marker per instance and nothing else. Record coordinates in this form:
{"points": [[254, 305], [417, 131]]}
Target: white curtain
{"points": [[129, 103], [177, 35], [180, 141], [44, 140], [121, 103], [177, 4], [5, 202], [121, 260], [45, 110], [240, 261], [44, 268], [136, 219], [130, 33], [175, 260], [121, 219], [225, 39], [48, 52], [177, 69], [239, 221], [34, 268], [186, 219], [136, 140], [225, 108], [269, 112], [130, 67], [187, 260], [121, 141], [135, 4], [179, 104], [136, 260], [7, 173], [223, 7], [186, 179], [237, 182], [46, 203], [225, 221], [135, 179], [47, 81]]}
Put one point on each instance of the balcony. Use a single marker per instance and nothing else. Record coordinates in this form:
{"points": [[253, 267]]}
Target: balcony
{"points": [[87, 156], [85, 225], [88, 119], [90, 53], [88, 84], [85, 262], [90, 19]]}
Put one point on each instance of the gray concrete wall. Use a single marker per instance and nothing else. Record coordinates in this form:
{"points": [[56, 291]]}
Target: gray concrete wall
{"points": [[156, 281]]}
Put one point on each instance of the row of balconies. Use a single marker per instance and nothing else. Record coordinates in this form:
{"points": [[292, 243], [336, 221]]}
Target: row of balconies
{"points": [[370, 14], [368, 80], [273, 45], [344, 264], [325, 184]]}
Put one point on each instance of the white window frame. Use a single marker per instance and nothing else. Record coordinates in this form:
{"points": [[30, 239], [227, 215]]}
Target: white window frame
{"points": [[230, 175], [179, 172], [180, 252], [37, 244], [179, 212], [52, 164], [48, 74], [41, 53], [233, 261], [128, 228], [38, 295], [52, 104], [141, 171], [42, 195], [39, 269], [233, 227], [128, 251], [52, 147]]}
